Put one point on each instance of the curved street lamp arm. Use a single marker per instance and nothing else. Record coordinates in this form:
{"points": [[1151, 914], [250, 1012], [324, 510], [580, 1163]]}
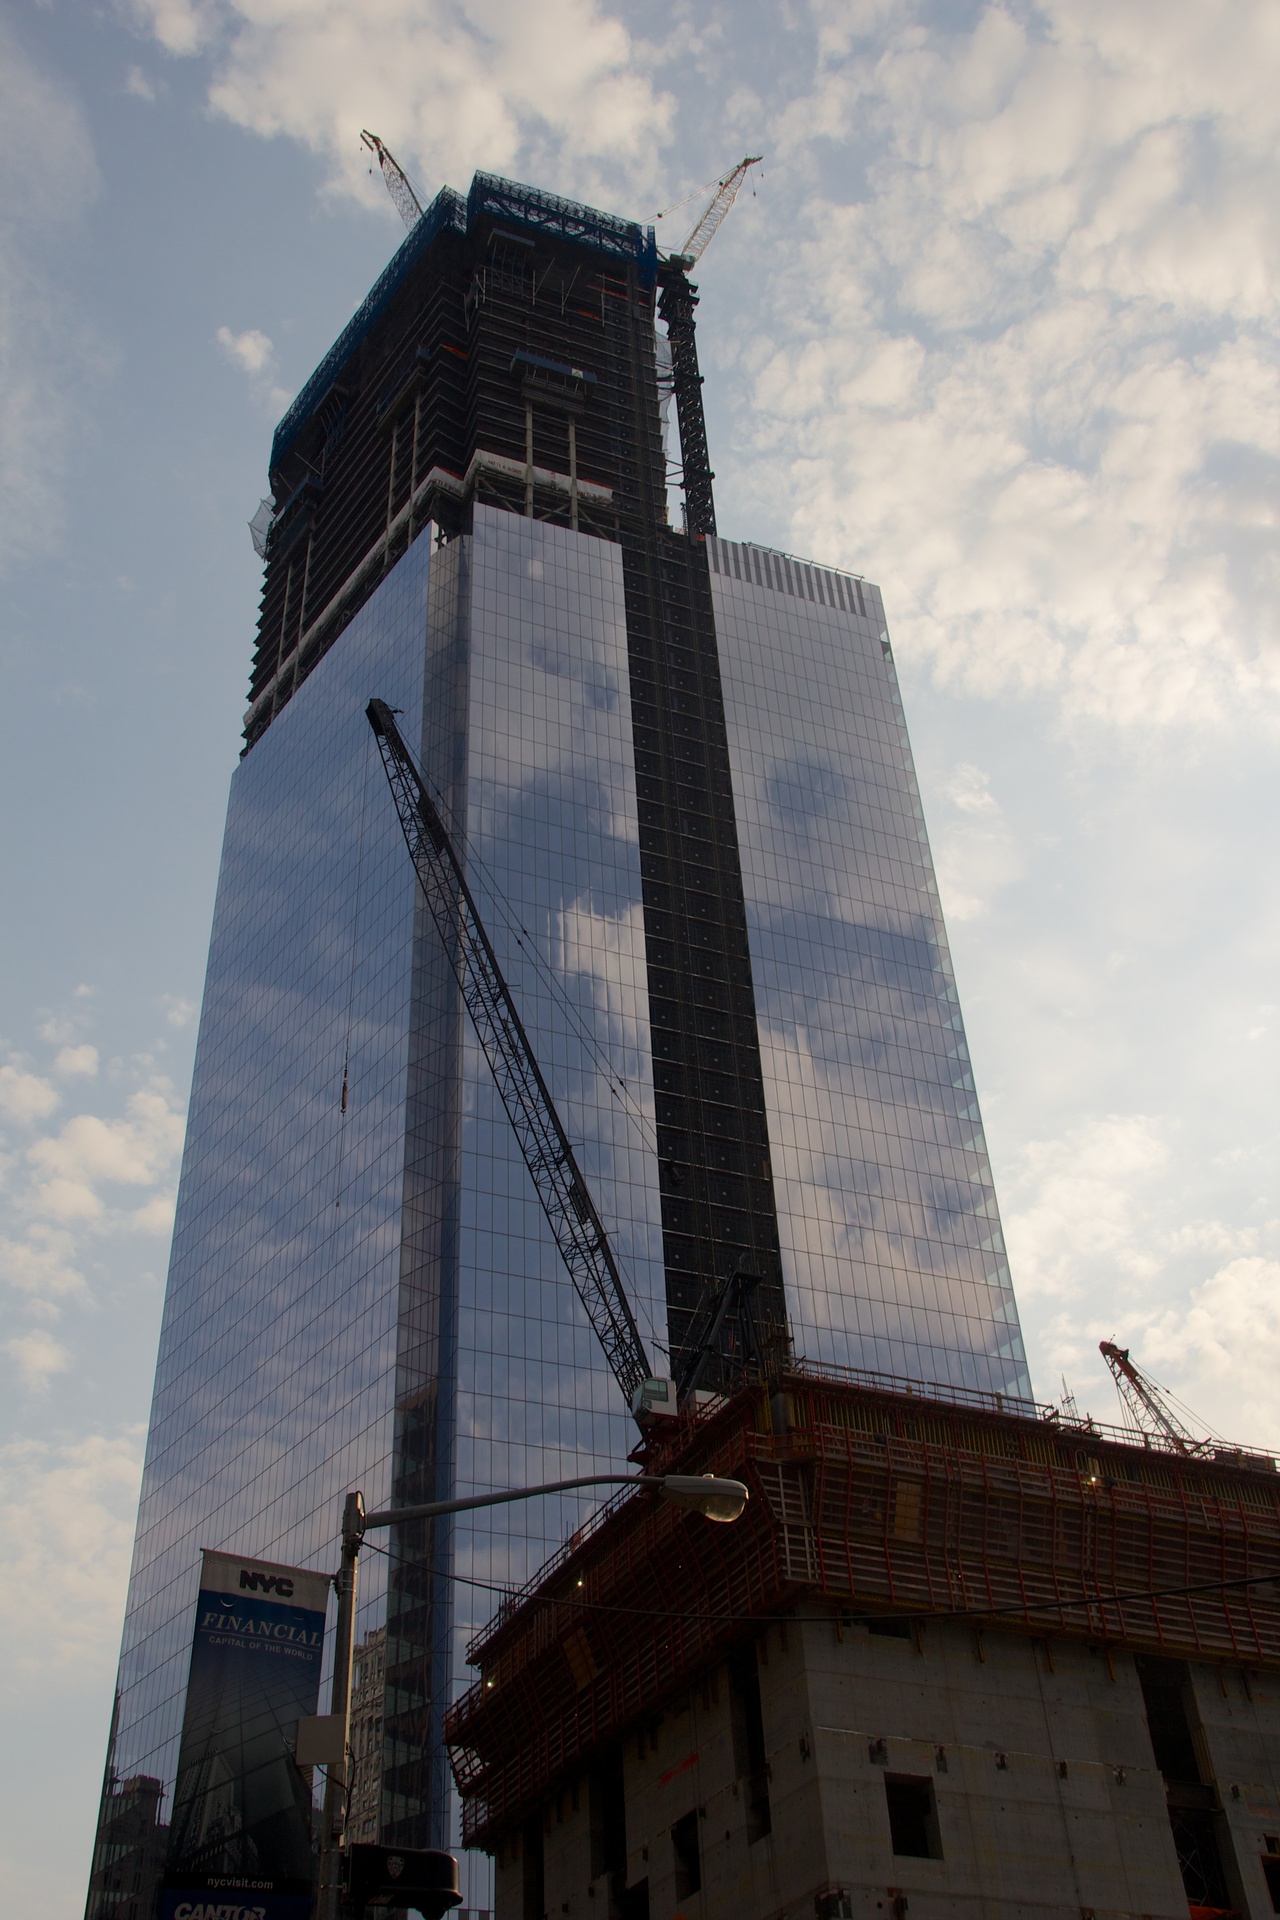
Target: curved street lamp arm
{"points": [[390, 1515]]}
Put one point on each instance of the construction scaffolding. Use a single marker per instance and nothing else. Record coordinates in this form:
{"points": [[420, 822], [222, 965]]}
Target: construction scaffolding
{"points": [[872, 1500], [504, 355]]}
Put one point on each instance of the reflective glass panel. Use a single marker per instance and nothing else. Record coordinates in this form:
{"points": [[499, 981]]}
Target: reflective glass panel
{"points": [[892, 1248]]}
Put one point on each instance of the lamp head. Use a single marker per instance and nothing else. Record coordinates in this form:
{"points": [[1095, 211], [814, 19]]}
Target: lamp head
{"points": [[720, 1500]]}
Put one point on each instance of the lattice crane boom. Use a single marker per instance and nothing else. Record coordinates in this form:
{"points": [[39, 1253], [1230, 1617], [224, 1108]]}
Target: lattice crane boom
{"points": [[571, 1213], [722, 199], [407, 203], [1145, 1401]]}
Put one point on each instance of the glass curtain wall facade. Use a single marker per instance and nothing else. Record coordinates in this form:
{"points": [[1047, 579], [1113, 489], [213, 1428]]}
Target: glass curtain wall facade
{"points": [[275, 1381], [677, 773], [363, 1288], [893, 1256]]}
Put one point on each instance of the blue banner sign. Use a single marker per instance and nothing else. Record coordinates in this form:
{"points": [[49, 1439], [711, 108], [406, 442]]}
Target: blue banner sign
{"points": [[208, 1904], [241, 1843]]}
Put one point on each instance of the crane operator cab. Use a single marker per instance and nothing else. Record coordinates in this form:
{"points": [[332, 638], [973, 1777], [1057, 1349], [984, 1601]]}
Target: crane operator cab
{"points": [[654, 1400]]}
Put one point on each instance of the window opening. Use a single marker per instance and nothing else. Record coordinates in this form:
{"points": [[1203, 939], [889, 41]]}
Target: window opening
{"points": [[607, 1809], [531, 1858], [684, 1844], [1164, 1689], [913, 1816], [1166, 1695], [635, 1902], [1199, 1857], [747, 1720]]}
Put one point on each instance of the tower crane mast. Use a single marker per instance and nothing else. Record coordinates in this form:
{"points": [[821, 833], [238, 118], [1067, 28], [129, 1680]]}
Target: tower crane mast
{"points": [[571, 1213], [407, 203], [676, 303], [1145, 1401]]}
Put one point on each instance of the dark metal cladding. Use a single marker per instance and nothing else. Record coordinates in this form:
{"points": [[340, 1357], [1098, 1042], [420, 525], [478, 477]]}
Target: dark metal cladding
{"points": [[718, 1210], [675, 306]]}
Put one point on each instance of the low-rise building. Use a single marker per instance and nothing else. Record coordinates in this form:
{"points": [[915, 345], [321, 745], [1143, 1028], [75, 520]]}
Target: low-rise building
{"points": [[956, 1659]]}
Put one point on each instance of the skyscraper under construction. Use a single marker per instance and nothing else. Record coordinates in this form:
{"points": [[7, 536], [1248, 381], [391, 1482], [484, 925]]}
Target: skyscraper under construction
{"points": [[676, 770]]}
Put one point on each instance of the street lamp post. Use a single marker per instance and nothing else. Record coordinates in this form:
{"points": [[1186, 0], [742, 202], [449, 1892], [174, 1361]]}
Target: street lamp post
{"points": [[715, 1499]]}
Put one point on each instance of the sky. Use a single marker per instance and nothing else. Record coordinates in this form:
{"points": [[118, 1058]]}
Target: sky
{"points": [[994, 326]]}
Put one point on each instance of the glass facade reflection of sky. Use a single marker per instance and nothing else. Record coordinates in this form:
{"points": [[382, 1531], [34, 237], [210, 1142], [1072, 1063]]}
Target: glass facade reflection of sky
{"points": [[275, 1382], [893, 1256], [363, 1288], [538, 778]]}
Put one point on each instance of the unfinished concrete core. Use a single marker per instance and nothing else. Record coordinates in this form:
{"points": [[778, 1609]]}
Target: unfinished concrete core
{"points": [[947, 1664]]}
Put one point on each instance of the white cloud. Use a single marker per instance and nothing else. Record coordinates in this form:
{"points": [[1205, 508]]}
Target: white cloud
{"points": [[82, 1060], [25, 1096], [253, 353], [155, 1216], [181, 26], [68, 1190], [250, 350], [68, 1518], [1026, 373], [975, 854], [177, 1010], [40, 1265], [1079, 1200], [1224, 1350], [48, 176], [39, 1356], [1106, 1241], [137, 84], [89, 1153], [450, 87], [970, 789]]}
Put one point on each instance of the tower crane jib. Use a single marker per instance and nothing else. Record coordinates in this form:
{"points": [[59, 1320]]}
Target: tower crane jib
{"points": [[571, 1212], [407, 203], [722, 199]]}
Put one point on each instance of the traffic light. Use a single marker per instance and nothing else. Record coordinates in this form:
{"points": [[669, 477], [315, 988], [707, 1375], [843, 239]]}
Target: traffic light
{"points": [[420, 1878]]}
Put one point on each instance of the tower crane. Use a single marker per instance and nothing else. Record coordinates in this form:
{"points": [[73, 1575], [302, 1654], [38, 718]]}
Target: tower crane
{"points": [[571, 1213], [707, 225], [1145, 1401], [407, 203], [676, 304]]}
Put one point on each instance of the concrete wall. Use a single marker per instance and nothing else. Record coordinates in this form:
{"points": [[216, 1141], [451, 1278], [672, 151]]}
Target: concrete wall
{"points": [[693, 1767], [1049, 1805], [1239, 1741], [991, 1720]]}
